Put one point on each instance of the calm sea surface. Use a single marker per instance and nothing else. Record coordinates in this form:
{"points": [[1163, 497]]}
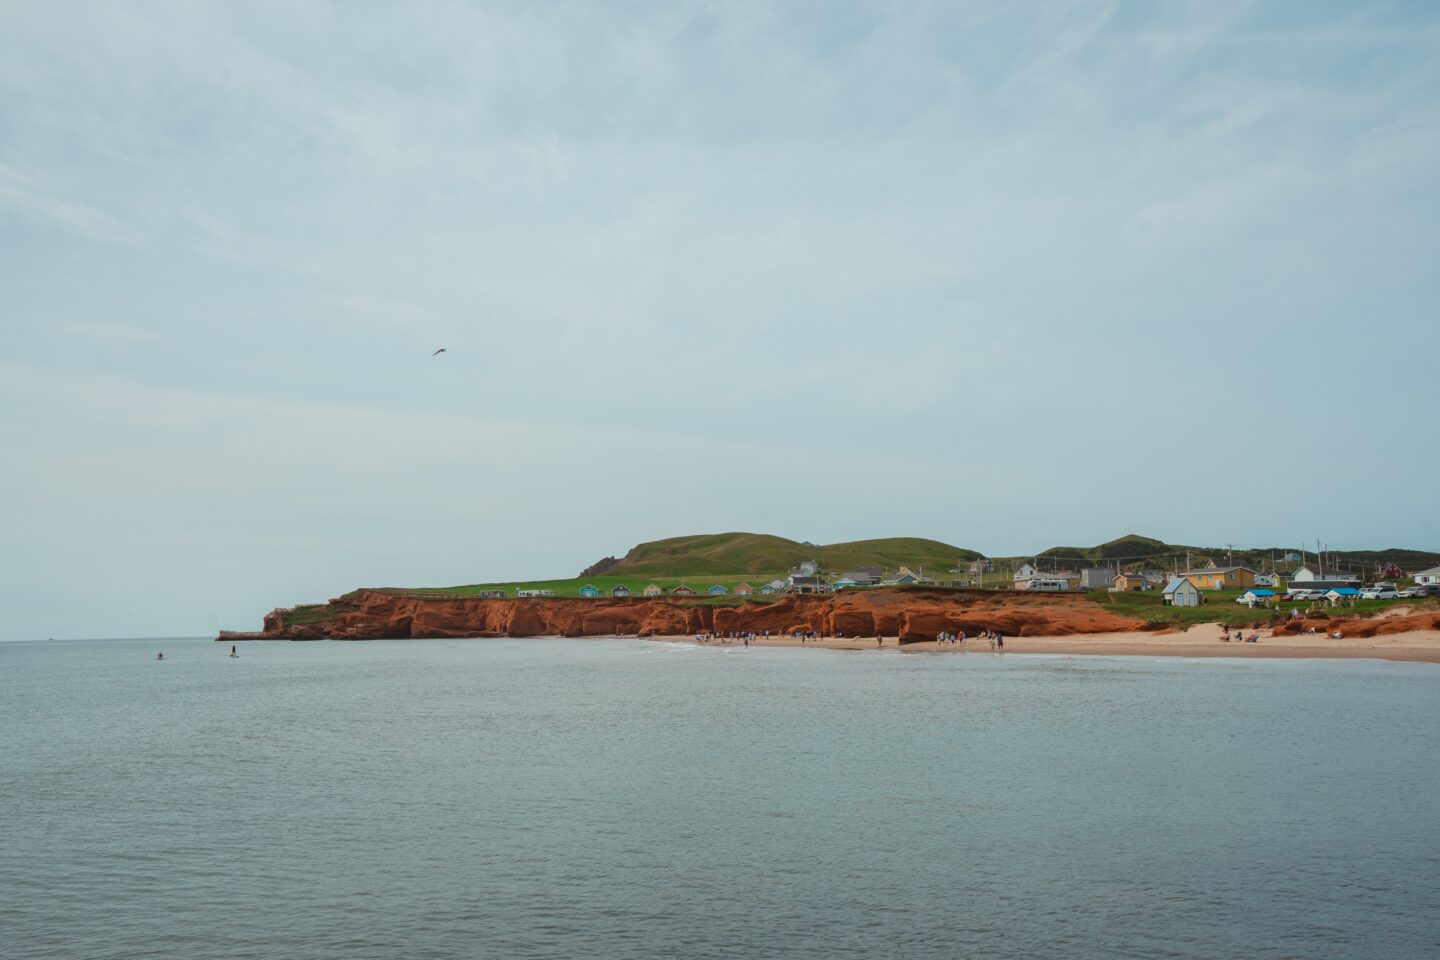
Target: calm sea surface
{"points": [[597, 798]]}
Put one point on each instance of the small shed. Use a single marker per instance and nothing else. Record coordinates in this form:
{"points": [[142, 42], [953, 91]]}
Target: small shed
{"points": [[717, 591], [683, 591], [653, 591], [1180, 592], [1132, 582], [589, 590], [620, 590], [743, 590]]}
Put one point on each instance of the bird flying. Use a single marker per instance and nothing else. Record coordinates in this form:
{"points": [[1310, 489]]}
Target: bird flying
{"points": [[438, 352]]}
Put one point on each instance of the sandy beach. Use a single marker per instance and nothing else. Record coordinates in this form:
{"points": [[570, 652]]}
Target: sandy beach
{"points": [[1422, 646]]}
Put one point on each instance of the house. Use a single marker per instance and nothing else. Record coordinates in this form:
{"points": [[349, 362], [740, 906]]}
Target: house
{"points": [[653, 591], [864, 576], [1131, 582], [683, 591], [1292, 557], [1181, 592], [802, 584], [1025, 571], [983, 565], [1221, 578], [902, 577], [1304, 576], [770, 589], [1097, 578], [1336, 594], [619, 590], [807, 568], [743, 590], [717, 591], [589, 590], [842, 583], [1427, 576]]}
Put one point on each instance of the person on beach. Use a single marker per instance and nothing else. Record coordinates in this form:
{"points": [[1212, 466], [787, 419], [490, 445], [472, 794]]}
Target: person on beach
{"points": [[1000, 642]]}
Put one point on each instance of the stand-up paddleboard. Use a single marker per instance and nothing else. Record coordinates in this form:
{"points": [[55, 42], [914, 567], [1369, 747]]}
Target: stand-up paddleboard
{"points": [[234, 656]]}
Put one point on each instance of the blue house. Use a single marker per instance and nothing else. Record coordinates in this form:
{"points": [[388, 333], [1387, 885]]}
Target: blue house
{"points": [[1180, 592], [717, 591], [589, 590]]}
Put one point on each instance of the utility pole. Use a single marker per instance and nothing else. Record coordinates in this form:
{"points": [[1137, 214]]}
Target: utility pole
{"points": [[1320, 556]]}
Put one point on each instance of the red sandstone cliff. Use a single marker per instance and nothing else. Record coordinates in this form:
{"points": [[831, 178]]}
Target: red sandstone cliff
{"points": [[908, 614]]}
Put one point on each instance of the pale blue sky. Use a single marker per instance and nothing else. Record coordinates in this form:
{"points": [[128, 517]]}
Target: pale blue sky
{"points": [[1003, 275]]}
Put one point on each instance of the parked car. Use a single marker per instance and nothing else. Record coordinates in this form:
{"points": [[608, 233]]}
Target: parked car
{"points": [[1381, 591], [1410, 593], [1427, 590]]}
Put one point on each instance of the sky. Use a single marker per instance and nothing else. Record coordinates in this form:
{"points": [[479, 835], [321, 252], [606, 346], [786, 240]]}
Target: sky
{"points": [[1002, 275]]}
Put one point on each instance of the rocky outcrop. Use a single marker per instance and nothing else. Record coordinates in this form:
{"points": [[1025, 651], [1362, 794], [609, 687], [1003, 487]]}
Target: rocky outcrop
{"points": [[909, 614], [1358, 627]]}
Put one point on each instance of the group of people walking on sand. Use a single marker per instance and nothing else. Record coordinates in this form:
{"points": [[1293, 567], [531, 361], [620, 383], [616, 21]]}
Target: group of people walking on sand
{"points": [[730, 636], [1239, 636], [993, 638]]}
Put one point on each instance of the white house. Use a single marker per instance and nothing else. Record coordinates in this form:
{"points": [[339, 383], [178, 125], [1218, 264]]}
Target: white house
{"points": [[1097, 578], [1428, 576], [1305, 574]]}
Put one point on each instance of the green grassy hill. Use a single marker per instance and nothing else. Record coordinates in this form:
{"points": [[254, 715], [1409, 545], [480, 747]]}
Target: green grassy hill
{"points": [[758, 553]]}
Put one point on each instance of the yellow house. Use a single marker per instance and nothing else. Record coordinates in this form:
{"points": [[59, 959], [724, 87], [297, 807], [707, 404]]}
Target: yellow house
{"points": [[1128, 582], [1221, 578]]}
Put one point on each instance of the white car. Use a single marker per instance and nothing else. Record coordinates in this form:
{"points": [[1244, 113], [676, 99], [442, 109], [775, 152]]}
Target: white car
{"points": [[1409, 593], [1379, 592]]}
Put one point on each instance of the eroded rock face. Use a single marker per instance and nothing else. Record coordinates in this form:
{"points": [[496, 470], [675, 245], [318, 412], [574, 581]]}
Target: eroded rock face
{"points": [[1357, 627], [909, 614]]}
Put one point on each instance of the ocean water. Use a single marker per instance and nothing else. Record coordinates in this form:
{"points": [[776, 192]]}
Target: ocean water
{"points": [[599, 798]]}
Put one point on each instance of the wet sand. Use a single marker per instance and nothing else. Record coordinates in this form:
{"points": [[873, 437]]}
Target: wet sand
{"points": [[1199, 641]]}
